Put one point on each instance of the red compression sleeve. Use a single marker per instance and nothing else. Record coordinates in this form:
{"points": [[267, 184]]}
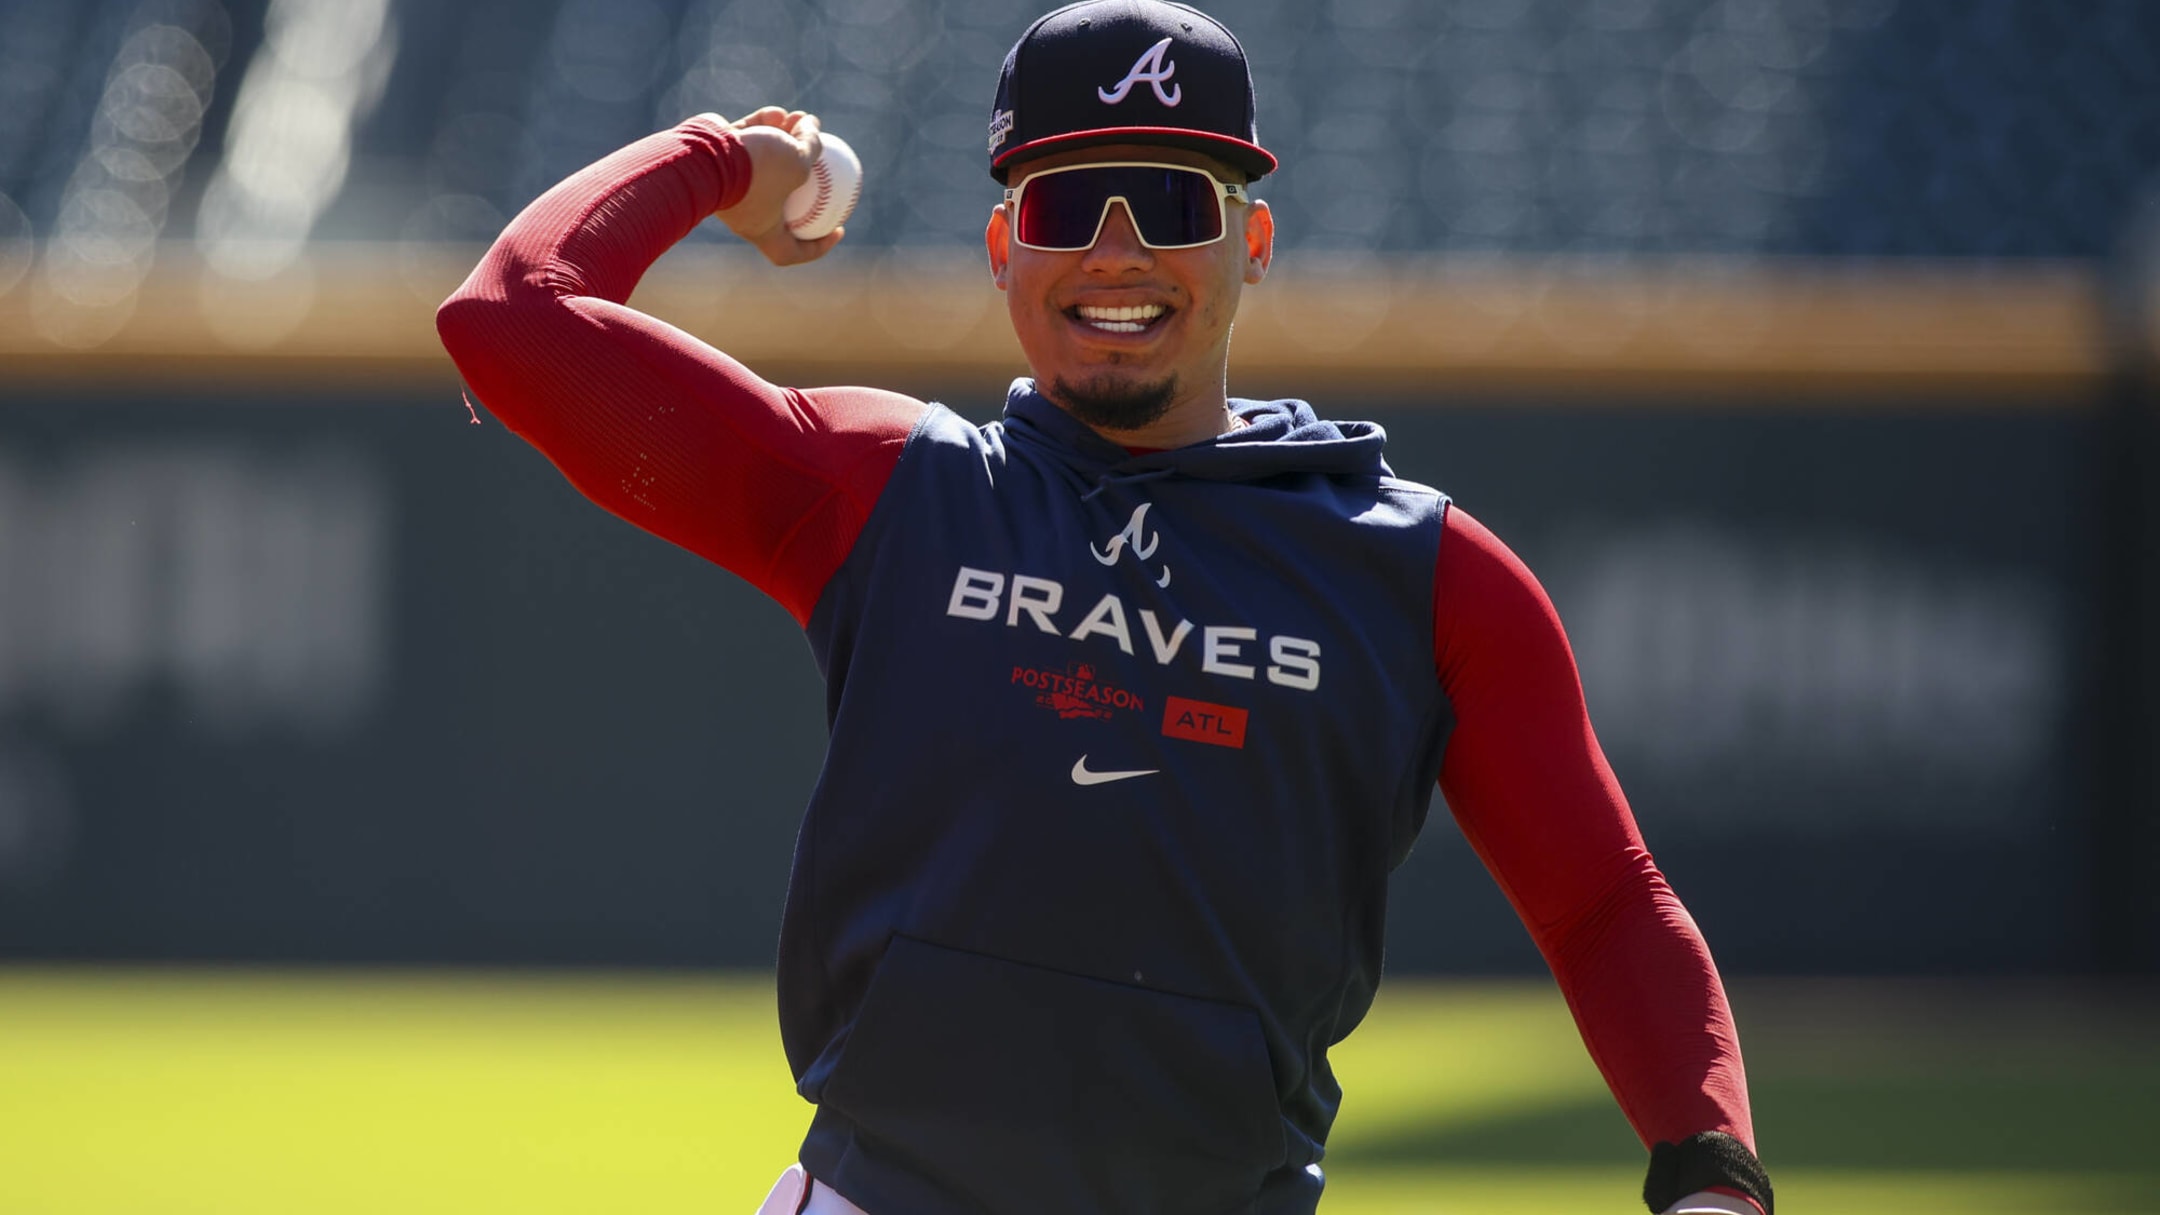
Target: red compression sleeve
{"points": [[651, 423], [1525, 779]]}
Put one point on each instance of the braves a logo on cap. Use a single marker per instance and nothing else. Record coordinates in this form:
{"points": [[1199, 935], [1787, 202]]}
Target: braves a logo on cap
{"points": [[1152, 68]]}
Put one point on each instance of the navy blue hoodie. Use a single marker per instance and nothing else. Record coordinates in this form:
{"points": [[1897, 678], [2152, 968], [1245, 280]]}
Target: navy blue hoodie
{"points": [[1123, 748]]}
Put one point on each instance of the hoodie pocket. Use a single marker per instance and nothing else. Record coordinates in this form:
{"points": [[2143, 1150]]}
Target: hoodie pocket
{"points": [[1022, 1088]]}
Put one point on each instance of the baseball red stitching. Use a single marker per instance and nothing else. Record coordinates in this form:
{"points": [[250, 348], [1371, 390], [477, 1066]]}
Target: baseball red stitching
{"points": [[823, 173]]}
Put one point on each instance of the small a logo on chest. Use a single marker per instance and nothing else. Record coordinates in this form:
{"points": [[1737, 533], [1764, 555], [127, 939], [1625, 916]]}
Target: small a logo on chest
{"points": [[1136, 539]]}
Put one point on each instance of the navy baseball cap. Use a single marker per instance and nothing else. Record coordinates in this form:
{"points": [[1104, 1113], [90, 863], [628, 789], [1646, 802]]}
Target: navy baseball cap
{"points": [[1125, 71]]}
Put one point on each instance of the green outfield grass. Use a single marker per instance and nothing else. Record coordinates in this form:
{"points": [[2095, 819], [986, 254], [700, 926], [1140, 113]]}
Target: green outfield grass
{"points": [[237, 1093]]}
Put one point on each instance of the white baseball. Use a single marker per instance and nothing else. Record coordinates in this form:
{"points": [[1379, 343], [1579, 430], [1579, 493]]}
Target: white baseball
{"points": [[824, 202]]}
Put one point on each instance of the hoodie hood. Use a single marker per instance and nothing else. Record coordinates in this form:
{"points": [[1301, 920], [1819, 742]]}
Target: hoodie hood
{"points": [[1278, 437]]}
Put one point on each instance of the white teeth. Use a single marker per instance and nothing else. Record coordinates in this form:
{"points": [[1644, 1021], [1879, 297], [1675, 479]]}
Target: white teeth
{"points": [[1130, 319]]}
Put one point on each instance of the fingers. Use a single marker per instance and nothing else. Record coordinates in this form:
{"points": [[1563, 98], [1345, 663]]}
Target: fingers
{"points": [[804, 126], [801, 124], [764, 116], [781, 247], [787, 120]]}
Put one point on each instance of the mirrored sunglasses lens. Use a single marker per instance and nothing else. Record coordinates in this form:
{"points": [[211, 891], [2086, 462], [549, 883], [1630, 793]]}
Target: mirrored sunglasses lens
{"points": [[1171, 207], [1186, 211], [1059, 211]]}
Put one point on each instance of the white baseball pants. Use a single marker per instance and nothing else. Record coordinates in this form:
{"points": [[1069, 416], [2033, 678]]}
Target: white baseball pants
{"points": [[796, 1194]]}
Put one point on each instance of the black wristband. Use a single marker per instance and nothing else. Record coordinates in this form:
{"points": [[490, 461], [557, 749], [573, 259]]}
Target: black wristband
{"points": [[1700, 1162]]}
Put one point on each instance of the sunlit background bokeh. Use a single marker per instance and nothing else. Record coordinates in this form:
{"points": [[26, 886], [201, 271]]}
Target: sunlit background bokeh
{"points": [[383, 827]]}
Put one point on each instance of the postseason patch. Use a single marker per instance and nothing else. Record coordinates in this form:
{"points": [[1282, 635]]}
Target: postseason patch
{"points": [[1001, 125], [1074, 691]]}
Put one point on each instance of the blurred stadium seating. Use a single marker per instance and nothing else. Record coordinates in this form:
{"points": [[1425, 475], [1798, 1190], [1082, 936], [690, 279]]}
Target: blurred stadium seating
{"points": [[1879, 128]]}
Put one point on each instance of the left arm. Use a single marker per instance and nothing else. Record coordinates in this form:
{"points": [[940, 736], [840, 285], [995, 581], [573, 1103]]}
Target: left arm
{"points": [[1531, 790]]}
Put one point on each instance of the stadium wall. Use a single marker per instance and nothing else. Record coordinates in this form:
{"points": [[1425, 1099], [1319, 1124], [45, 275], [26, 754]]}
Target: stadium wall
{"points": [[298, 663]]}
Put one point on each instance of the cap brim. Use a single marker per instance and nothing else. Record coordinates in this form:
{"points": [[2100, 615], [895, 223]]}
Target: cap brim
{"points": [[1255, 160]]}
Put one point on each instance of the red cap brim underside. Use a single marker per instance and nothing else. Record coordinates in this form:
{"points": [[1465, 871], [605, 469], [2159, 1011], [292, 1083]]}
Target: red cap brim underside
{"points": [[1255, 160]]}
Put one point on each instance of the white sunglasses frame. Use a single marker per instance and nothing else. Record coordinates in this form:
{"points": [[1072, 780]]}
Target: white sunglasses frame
{"points": [[1224, 192]]}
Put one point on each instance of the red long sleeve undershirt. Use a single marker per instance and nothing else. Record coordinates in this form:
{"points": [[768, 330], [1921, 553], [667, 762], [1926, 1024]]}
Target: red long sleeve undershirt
{"points": [[775, 483]]}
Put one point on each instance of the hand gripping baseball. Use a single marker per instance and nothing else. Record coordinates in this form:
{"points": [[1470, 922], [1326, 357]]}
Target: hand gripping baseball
{"points": [[783, 145]]}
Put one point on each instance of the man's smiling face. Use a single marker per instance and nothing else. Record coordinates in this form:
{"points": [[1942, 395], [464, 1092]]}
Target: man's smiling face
{"points": [[1120, 334]]}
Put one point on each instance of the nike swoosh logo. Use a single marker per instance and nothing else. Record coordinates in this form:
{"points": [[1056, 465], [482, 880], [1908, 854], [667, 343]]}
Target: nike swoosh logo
{"points": [[1081, 775]]}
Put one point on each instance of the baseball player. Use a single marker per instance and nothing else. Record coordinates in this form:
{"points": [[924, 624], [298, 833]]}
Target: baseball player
{"points": [[1136, 696]]}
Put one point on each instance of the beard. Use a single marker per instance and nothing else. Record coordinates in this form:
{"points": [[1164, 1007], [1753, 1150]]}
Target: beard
{"points": [[1107, 401]]}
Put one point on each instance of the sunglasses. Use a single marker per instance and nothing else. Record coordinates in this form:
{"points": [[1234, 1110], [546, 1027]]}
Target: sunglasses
{"points": [[1172, 206]]}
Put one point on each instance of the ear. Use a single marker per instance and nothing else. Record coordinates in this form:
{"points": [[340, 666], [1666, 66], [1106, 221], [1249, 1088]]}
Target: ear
{"points": [[1259, 241], [997, 241]]}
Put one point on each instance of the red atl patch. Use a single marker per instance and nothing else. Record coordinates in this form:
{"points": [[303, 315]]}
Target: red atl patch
{"points": [[1201, 722]]}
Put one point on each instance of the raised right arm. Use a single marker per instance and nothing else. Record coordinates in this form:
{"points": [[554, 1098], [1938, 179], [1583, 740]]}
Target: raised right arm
{"points": [[649, 422]]}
